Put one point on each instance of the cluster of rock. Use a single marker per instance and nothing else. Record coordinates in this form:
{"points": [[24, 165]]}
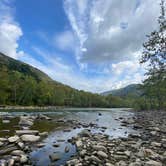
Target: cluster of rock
{"points": [[145, 149], [14, 150]]}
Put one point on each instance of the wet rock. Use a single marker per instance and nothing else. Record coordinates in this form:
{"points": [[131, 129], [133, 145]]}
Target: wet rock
{"points": [[56, 145], [99, 114], [30, 138], [85, 133], [40, 145], [54, 157], [102, 154], [100, 148], [66, 130], [67, 149], [13, 139]]}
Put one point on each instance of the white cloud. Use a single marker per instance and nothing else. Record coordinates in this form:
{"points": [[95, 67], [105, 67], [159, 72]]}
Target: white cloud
{"points": [[10, 31], [64, 40], [111, 31]]}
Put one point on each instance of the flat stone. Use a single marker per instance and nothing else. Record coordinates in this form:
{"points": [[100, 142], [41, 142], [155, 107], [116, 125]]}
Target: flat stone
{"points": [[5, 121], [30, 138], [13, 139], [40, 145], [21, 132], [43, 134], [157, 144], [54, 157], [17, 152], [153, 163]]}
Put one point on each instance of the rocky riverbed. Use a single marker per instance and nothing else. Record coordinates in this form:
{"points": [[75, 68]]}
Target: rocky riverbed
{"points": [[148, 148], [88, 143]]}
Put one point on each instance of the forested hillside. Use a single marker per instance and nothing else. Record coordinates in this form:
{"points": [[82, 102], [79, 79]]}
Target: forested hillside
{"points": [[132, 90], [22, 84]]}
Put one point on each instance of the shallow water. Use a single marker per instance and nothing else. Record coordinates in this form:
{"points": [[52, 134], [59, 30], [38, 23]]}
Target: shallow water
{"points": [[40, 156]]}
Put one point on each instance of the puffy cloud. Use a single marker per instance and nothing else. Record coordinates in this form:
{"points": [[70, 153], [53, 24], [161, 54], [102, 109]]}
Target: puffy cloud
{"points": [[10, 31]]}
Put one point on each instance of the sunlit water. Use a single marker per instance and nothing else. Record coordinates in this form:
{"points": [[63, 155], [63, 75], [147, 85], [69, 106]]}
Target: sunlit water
{"points": [[40, 156]]}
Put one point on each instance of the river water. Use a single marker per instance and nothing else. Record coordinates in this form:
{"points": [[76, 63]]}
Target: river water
{"points": [[109, 118]]}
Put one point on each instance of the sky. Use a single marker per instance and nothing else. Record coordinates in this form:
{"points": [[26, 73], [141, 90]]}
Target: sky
{"points": [[92, 45]]}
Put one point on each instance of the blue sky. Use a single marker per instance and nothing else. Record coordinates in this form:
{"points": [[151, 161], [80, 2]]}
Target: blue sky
{"points": [[94, 45]]}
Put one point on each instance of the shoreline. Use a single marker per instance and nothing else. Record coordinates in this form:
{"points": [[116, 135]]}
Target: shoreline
{"points": [[55, 108]]}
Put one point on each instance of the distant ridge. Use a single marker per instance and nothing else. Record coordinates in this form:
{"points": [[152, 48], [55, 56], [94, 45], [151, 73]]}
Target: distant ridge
{"points": [[130, 90]]}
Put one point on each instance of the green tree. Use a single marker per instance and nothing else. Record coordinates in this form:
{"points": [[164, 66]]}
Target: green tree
{"points": [[154, 55]]}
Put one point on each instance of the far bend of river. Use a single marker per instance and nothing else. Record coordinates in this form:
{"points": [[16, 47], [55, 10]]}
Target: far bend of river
{"points": [[40, 156]]}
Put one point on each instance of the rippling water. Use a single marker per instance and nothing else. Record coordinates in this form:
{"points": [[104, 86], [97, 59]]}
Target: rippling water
{"points": [[40, 156]]}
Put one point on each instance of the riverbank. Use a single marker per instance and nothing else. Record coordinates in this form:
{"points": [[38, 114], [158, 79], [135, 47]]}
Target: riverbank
{"points": [[148, 148], [145, 144], [51, 108]]}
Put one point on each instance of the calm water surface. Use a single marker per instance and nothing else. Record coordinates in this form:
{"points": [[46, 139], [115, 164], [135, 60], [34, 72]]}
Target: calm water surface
{"points": [[40, 156]]}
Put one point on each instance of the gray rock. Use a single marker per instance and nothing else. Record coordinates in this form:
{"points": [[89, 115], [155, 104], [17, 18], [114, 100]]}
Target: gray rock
{"points": [[94, 158], [78, 143], [30, 138], [102, 154], [135, 164], [54, 157], [100, 148], [73, 162], [43, 134], [11, 162], [40, 145], [23, 159], [22, 132], [153, 163], [3, 139], [1, 143], [109, 164], [21, 145], [121, 163], [5, 121], [85, 133], [17, 152], [67, 149], [13, 139]]}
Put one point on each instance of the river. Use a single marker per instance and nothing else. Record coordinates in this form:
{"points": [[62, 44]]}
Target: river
{"points": [[106, 121]]}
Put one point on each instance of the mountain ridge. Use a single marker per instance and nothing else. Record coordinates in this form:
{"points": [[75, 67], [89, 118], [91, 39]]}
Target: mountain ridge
{"points": [[129, 90]]}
